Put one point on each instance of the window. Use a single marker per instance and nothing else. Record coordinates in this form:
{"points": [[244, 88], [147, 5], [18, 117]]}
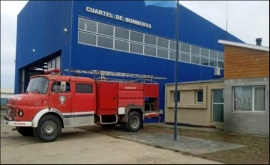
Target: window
{"points": [[249, 98], [177, 96], [150, 39], [163, 42], [213, 63], [204, 61], [87, 38], [84, 88], [172, 45], [162, 53], [213, 54], [91, 26], [185, 57], [61, 86], [195, 59], [135, 36], [98, 34], [199, 96], [195, 50], [105, 29], [185, 47], [221, 64], [121, 45], [220, 56], [121, 33], [136, 48], [204, 52], [150, 51], [82, 23], [105, 42], [173, 55], [38, 84]]}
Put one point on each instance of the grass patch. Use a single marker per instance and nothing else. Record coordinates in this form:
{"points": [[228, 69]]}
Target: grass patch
{"points": [[256, 150]]}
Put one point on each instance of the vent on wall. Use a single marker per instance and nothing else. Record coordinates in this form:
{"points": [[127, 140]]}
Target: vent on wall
{"points": [[217, 71]]}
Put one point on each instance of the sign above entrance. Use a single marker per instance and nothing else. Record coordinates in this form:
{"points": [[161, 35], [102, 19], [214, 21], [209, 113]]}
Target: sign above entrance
{"points": [[117, 17]]}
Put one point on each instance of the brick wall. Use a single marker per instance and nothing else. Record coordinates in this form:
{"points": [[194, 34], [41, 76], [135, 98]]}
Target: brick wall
{"points": [[245, 63]]}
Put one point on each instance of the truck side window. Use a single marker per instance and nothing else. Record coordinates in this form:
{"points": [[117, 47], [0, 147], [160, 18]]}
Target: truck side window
{"points": [[61, 87], [84, 88]]}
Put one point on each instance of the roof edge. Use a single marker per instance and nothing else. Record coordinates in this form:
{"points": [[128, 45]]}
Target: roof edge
{"points": [[262, 48]]}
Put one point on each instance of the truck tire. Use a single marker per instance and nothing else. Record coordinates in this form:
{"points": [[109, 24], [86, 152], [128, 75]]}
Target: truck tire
{"points": [[134, 122], [25, 131], [49, 128]]}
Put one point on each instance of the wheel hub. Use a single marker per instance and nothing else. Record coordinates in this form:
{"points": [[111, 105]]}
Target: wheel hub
{"points": [[48, 128], [134, 122]]}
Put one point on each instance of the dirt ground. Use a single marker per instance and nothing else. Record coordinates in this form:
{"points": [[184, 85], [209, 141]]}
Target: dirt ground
{"points": [[256, 150], [77, 146]]}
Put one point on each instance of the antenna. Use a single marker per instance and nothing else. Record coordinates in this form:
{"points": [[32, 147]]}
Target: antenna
{"points": [[226, 21]]}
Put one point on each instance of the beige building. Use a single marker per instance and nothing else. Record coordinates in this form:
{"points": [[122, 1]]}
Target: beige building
{"points": [[200, 103]]}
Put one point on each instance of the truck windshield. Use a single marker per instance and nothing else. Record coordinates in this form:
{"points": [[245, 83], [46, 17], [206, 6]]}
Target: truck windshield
{"points": [[38, 84]]}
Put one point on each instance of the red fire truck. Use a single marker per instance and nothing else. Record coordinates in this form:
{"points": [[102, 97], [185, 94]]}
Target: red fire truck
{"points": [[54, 101]]}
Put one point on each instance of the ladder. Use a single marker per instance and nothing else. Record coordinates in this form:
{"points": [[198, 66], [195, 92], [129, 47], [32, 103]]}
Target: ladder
{"points": [[103, 73]]}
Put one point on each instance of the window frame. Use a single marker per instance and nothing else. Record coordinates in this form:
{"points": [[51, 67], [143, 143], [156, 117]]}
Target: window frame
{"points": [[59, 85], [178, 93], [178, 96], [252, 98], [79, 92], [197, 96], [184, 48]]}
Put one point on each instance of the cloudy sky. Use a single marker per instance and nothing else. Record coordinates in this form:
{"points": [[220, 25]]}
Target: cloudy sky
{"points": [[247, 20]]}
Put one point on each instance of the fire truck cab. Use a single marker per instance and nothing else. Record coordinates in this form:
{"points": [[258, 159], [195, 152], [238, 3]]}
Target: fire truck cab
{"points": [[54, 101]]}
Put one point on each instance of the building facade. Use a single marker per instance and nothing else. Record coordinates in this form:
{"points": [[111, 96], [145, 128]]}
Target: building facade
{"points": [[246, 88], [122, 36], [199, 103]]}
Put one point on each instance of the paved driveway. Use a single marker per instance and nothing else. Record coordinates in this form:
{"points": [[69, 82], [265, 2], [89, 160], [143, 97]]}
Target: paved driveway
{"points": [[79, 146]]}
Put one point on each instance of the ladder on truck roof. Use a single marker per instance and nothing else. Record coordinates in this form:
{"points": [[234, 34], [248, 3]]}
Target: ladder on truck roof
{"points": [[103, 73]]}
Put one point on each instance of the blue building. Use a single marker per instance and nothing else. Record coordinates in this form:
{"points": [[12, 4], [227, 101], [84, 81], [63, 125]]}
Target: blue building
{"points": [[122, 36]]}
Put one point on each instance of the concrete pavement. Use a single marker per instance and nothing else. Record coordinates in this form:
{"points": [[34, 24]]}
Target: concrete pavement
{"points": [[77, 146]]}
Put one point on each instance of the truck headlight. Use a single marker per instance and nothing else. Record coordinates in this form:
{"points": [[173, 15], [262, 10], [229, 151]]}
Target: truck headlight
{"points": [[20, 113], [8, 111]]}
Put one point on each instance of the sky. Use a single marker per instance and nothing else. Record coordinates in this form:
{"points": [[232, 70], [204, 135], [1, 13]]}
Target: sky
{"points": [[247, 20]]}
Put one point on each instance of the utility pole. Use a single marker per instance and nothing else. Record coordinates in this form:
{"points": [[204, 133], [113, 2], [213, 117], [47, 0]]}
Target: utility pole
{"points": [[176, 68]]}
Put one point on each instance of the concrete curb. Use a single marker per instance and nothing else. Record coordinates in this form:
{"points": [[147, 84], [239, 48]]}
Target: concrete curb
{"points": [[186, 127]]}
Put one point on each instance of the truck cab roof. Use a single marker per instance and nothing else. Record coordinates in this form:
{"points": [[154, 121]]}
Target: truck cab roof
{"points": [[58, 77]]}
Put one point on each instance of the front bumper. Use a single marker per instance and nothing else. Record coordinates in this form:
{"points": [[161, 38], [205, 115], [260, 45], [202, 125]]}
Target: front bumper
{"points": [[18, 123]]}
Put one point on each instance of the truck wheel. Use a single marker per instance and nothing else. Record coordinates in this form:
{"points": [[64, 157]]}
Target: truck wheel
{"points": [[25, 131], [49, 128], [134, 122]]}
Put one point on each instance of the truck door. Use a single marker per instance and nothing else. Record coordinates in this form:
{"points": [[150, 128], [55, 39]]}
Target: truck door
{"points": [[84, 98], [107, 98], [60, 96]]}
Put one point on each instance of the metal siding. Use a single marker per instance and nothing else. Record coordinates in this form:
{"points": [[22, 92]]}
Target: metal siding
{"points": [[40, 26]]}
